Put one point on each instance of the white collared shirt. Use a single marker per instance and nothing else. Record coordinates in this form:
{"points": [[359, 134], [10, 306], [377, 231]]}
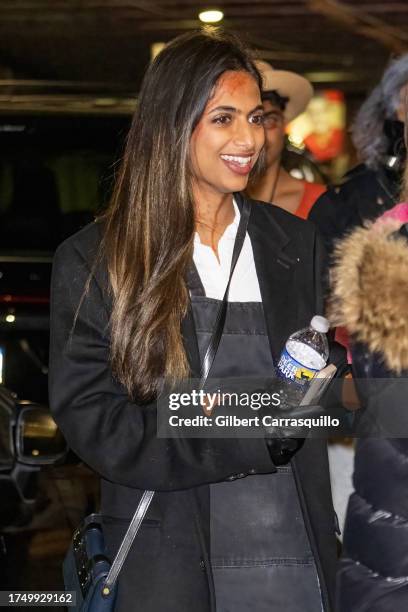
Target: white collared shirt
{"points": [[214, 274]]}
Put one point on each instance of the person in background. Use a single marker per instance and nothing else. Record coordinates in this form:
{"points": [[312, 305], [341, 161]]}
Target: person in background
{"points": [[285, 95], [373, 187], [373, 572]]}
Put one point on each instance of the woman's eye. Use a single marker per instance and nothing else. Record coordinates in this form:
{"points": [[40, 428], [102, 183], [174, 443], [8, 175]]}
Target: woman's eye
{"points": [[257, 119], [222, 119]]}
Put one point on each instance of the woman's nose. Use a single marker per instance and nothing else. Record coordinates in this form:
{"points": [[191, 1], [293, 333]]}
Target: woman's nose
{"points": [[244, 135]]}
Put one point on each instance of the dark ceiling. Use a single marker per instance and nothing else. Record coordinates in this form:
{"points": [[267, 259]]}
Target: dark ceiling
{"points": [[344, 43]]}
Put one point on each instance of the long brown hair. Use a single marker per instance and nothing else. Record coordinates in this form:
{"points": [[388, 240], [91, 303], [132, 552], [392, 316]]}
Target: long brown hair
{"points": [[149, 225]]}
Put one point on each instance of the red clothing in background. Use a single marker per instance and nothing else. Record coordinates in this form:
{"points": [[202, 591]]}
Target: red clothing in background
{"points": [[311, 192]]}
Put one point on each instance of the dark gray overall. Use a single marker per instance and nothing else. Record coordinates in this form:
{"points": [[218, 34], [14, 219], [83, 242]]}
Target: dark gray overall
{"points": [[260, 553]]}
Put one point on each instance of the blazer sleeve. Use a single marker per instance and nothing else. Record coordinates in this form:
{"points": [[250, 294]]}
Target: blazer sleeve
{"points": [[113, 435]]}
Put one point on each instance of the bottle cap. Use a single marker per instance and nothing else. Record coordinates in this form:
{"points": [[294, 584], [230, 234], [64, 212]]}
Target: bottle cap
{"points": [[320, 324]]}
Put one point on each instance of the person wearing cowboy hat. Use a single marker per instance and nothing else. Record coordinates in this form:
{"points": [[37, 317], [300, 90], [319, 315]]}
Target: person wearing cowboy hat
{"points": [[285, 96]]}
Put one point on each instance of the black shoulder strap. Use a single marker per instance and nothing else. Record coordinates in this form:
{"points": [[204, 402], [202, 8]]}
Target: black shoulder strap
{"points": [[147, 496], [127, 542], [222, 311]]}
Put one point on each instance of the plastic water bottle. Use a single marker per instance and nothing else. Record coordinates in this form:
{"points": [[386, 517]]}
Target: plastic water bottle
{"points": [[305, 353]]}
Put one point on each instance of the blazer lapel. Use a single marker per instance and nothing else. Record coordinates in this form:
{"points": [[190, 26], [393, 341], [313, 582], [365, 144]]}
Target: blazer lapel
{"points": [[276, 276]]}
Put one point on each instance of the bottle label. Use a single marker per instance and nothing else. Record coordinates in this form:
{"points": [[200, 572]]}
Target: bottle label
{"points": [[291, 369]]}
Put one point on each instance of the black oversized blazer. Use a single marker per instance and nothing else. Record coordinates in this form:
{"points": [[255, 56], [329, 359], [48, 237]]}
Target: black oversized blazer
{"points": [[168, 568]]}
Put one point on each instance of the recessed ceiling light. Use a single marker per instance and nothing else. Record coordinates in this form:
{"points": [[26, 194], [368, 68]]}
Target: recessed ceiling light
{"points": [[212, 16], [155, 49]]}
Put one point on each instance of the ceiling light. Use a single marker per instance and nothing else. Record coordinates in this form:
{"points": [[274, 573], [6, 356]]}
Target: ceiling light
{"points": [[212, 16], [155, 49]]}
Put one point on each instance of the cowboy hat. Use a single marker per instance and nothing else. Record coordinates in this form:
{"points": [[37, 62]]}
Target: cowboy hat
{"points": [[296, 88]]}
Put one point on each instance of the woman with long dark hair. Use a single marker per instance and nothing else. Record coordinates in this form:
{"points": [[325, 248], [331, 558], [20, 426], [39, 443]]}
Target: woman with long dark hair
{"points": [[235, 524]]}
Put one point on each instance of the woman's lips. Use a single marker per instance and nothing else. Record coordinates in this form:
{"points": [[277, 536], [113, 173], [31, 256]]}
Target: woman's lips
{"points": [[241, 165]]}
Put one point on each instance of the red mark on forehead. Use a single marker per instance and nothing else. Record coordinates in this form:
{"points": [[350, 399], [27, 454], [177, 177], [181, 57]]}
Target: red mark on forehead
{"points": [[231, 80], [237, 89]]}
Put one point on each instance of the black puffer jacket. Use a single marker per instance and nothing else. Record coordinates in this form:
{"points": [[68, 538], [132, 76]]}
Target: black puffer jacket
{"points": [[364, 194], [371, 299]]}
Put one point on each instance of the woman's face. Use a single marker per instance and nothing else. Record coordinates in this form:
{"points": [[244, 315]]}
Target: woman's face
{"points": [[227, 140], [274, 124]]}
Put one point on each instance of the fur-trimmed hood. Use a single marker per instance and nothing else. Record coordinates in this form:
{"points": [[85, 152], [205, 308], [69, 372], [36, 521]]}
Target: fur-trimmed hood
{"points": [[370, 291]]}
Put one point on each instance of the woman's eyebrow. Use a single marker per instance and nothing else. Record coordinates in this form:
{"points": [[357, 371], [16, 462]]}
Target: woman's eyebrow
{"points": [[232, 109], [257, 108]]}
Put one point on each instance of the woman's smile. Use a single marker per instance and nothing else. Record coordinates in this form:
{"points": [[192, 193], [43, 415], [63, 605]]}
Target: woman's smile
{"points": [[238, 163]]}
